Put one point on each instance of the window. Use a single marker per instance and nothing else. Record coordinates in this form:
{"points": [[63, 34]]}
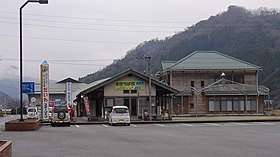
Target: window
{"points": [[235, 105], [229, 105], [133, 91], [224, 105], [177, 101], [253, 105], [125, 91], [109, 102], [217, 105], [248, 105], [202, 83], [238, 78], [192, 83], [242, 105], [211, 104], [191, 105]]}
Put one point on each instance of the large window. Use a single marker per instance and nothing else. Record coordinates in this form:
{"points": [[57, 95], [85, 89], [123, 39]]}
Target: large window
{"points": [[177, 101], [251, 105], [231, 104], [224, 104], [232, 77], [238, 78], [109, 102]]}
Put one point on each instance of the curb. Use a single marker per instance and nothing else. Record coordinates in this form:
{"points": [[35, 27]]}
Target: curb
{"points": [[169, 122]]}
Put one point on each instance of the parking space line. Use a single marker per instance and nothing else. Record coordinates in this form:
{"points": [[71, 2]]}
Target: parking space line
{"points": [[77, 126], [133, 125], [105, 125], [213, 124], [263, 123], [187, 124], [160, 125], [240, 124]]}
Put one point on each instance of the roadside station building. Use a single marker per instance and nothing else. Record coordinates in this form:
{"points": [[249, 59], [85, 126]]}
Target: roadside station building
{"points": [[56, 91], [211, 82], [129, 88]]}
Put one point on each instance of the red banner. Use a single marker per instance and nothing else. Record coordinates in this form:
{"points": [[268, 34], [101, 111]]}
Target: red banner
{"points": [[86, 102]]}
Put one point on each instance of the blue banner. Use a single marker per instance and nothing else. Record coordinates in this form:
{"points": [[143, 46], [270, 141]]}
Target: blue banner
{"points": [[27, 87]]}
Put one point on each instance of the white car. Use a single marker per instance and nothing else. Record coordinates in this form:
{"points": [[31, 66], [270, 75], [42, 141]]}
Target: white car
{"points": [[32, 112], [119, 115]]}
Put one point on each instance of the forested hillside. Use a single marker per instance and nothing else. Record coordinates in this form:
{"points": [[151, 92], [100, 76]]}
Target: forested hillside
{"points": [[252, 36]]}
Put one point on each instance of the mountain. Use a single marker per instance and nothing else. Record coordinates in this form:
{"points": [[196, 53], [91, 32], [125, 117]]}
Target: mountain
{"points": [[10, 87], [4, 96], [250, 35]]}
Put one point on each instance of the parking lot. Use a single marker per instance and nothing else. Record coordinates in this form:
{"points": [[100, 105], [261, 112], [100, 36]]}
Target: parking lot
{"points": [[252, 139]]}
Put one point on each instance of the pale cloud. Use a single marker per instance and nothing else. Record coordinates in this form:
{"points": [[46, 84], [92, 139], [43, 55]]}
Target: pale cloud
{"points": [[95, 30]]}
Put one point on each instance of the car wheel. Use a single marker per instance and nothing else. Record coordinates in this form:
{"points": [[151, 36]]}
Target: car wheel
{"points": [[61, 115], [52, 124], [128, 124]]}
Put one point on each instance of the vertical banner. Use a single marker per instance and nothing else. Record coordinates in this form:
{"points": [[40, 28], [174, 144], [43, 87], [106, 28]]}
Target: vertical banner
{"points": [[68, 93], [86, 102], [44, 69]]}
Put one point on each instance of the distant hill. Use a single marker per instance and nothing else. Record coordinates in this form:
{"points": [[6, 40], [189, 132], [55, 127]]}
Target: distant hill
{"points": [[7, 97], [252, 36]]}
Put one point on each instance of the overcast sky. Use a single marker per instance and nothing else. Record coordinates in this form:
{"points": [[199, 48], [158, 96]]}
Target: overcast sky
{"points": [[79, 37]]}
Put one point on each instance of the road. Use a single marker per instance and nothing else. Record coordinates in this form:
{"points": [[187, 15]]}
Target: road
{"points": [[254, 139]]}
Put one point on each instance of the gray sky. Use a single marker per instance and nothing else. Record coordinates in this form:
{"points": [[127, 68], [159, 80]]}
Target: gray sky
{"points": [[79, 37]]}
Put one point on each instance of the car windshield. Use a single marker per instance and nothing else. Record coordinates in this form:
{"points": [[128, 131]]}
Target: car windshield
{"points": [[31, 110], [120, 110], [60, 109]]}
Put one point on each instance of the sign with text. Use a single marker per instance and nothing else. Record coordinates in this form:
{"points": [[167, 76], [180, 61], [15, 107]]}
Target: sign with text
{"points": [[44, 69], [129, 85], [68, 93], [27, 87]]}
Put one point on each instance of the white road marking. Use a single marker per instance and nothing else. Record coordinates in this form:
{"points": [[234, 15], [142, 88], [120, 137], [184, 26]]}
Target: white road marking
{"points": [[240, 124], [160, 125], [77, 126], [213, 124], [105, 125], [133, 125], [187, 124], [263, 123]]}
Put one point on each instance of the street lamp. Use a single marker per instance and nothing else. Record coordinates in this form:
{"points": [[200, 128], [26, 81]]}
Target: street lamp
{"points": [[20, 48]]}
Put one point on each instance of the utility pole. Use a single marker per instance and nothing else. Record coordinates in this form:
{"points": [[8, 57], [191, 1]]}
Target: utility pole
{"points": [[148, 59], [5, 105]]}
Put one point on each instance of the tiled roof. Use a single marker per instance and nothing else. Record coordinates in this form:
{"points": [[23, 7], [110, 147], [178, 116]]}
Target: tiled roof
{"points": [[208, 60]]}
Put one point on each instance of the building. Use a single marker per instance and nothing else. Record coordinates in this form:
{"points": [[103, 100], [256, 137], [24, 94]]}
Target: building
{"points": [[211, 82], [129, 88], [56, 91]]}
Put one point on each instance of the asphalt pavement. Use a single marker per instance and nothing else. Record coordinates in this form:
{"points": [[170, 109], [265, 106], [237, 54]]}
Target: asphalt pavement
{"points": [[232, 139]]}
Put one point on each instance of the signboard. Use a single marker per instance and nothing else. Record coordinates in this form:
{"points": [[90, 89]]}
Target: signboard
{"points": [[68, 93], [129, 85], [27, 87], [86, 102], [44, 70], [57, 102]]}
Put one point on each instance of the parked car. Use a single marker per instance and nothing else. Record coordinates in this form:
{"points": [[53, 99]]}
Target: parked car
{"points": [[17, 110], [60, 115], [32, 112], [119, 115]]}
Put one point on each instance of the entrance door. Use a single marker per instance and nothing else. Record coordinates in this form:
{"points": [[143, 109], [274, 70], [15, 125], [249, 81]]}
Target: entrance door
{"points": [[126, 102], [133, 106]]}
